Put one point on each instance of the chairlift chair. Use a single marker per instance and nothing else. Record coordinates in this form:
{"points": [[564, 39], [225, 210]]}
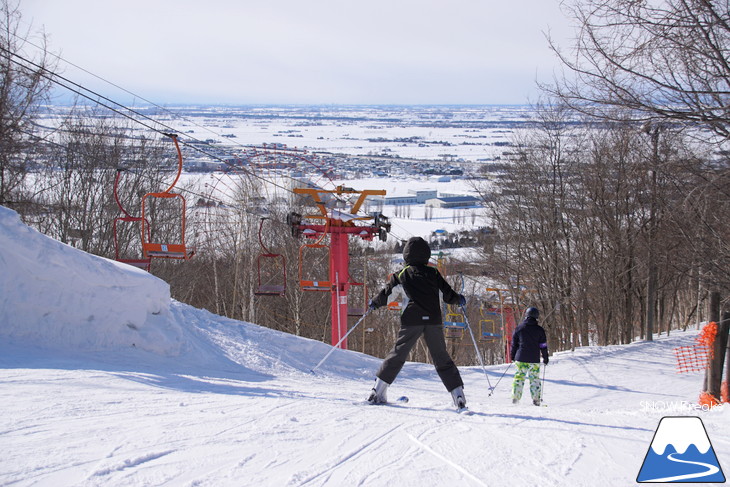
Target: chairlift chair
{"points": [[171, 246], [488, 329], [395, 305], [353, 309], [270, 269], [454, 324], [310, 283], [140, 262]]}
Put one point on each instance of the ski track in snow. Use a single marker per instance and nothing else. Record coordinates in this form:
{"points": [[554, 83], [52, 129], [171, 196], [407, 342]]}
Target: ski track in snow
{"points": [[337, 462], [131, 463]]}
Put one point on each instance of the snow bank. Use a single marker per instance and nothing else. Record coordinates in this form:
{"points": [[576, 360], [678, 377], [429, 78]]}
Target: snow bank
{"points": [[55, 296]]}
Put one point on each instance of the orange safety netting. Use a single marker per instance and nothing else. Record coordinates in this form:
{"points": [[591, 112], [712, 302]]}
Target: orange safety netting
{"points": [[694, 358], [707, 334]]}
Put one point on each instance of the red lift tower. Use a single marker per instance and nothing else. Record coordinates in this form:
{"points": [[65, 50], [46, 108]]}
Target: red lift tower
{"points": [[339, 225]]}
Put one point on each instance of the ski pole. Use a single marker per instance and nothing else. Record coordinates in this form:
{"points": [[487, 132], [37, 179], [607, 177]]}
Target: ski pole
{"points": [[341, 340], [476, 348], [500, 379]]}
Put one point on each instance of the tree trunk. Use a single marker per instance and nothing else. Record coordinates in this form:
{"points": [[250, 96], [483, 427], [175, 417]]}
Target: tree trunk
{"points": [[713, 373]]}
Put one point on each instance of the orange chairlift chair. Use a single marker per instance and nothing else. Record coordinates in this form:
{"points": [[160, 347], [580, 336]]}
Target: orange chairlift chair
{"points": [[271, 270], [171, 244], [312, 253], [141, 262]]}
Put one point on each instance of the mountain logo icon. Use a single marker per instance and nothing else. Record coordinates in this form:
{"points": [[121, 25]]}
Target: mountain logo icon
{"points": [[681, 452]]}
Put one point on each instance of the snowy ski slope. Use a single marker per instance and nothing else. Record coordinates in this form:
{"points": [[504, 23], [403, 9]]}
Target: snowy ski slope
{"points": [[106, 381]]}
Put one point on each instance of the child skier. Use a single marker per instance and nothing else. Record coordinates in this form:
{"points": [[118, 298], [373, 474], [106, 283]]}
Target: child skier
{"points": [[528, 343], [421, 316]]}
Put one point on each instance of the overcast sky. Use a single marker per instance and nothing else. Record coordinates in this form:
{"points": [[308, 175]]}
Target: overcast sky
{"points": [[308, 51]]}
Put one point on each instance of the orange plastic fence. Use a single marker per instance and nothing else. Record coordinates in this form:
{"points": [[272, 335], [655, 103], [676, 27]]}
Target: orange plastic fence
{"points": [[707, 334], [694, 358]]}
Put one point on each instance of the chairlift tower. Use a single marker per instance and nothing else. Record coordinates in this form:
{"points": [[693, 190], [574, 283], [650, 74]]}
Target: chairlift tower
{"points": [[339, 225]]}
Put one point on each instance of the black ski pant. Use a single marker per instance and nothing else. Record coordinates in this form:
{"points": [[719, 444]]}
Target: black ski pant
{"points": [[407, 338]]}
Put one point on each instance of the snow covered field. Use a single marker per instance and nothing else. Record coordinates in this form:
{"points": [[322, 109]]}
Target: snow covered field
{"points": [[106, 381], [466, 132]]}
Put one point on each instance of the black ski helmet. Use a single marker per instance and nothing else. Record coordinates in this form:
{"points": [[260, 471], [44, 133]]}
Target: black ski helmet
{"points": [[532, 313]]}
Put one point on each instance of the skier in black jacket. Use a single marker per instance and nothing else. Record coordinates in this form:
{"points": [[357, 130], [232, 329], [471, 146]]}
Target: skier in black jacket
{"points": [[528, 343], [421, 316]]}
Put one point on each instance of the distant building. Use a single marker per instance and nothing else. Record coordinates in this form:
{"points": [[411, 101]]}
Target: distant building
{"points": [[453, 202], [414, 197], [423, 195], [400, 200]]}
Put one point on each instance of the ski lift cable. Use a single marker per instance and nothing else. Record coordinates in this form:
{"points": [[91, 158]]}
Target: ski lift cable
{"points": [[149, 123], [164, 109], [187, 190], [220, 199], [239, 169], [135, 95], [54, 78], [94, 158]]}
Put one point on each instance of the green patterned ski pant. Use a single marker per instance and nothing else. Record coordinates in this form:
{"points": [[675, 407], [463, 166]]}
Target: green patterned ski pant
{"points": [[532, 372]]}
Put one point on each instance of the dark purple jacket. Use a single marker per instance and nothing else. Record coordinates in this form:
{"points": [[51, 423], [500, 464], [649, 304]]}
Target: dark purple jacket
{"points": [[529, 342]]}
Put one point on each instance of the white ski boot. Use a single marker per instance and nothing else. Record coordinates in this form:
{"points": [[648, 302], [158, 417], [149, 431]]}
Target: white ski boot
{"points": [[459, 398], [378, 395]]}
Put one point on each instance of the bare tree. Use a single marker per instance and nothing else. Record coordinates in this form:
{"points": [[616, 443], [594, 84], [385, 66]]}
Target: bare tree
{"points": [[662, 64], [653, 59], [23, 85]]}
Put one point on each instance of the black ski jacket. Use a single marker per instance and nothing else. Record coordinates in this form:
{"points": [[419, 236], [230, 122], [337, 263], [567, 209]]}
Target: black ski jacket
{"points": [[528, 342], [421, 285]]}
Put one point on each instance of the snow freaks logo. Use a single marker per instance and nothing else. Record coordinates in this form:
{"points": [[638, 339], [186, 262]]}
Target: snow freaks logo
{"points": [[681, 452]]}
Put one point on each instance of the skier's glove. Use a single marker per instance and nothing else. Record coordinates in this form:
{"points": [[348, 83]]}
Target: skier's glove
{"points": [[462, 300], [545, 360], [372, 306]]}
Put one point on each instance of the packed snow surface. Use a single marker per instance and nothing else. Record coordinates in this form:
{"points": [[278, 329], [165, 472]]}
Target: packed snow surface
{"points": [[106, 381]]}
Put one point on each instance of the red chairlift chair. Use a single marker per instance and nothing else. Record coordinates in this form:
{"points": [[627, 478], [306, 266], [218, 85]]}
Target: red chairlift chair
{"points": [[314, 283], [309, 283], [273, 282], [141, 262], [172, 246]]}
